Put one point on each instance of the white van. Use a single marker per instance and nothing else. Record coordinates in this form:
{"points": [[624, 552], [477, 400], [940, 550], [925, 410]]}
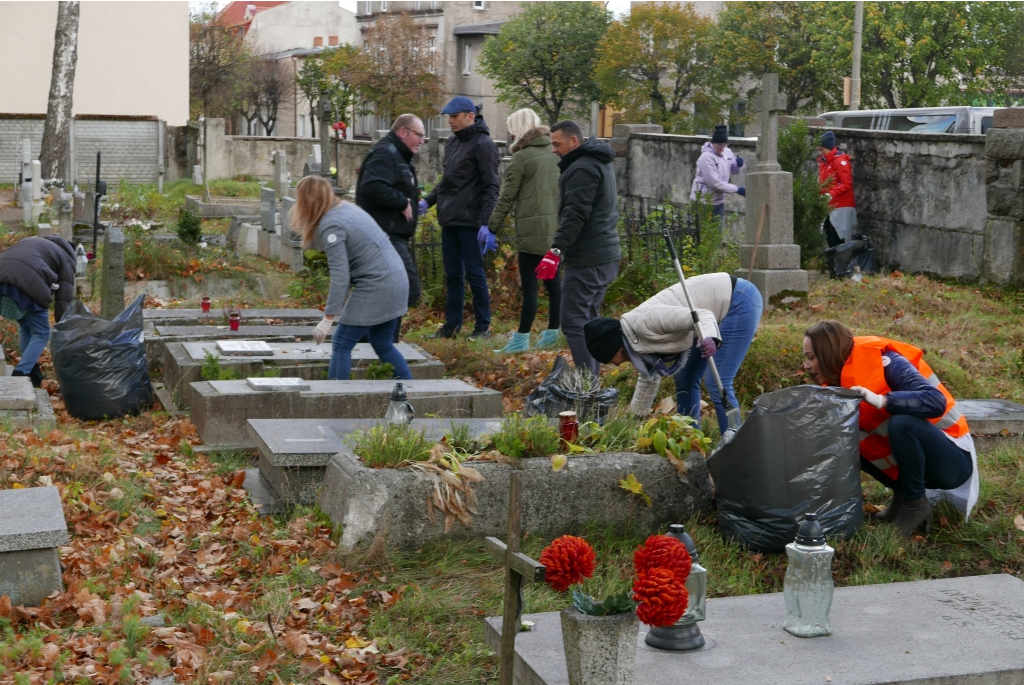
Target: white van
{"points": [[917, 119]]}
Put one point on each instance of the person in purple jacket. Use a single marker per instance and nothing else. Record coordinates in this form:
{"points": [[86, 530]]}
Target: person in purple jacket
{"points": [[716, 165]]}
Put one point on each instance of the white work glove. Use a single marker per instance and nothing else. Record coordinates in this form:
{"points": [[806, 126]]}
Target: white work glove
{"points": [[322, 329], [644, 394], [875, 400]]}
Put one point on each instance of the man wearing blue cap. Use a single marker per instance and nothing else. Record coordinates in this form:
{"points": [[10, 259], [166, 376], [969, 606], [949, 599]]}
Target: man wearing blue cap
{"points": [[465, 198]]}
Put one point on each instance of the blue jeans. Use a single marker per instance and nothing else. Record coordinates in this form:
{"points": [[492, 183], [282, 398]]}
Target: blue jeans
{"points": [[460, 252], [35, 333], [381, 338], [737, 329], [925, 456]]}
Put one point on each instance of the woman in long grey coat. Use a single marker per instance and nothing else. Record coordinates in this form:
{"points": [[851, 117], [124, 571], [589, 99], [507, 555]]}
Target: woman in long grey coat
{"points": [[361, 259]]}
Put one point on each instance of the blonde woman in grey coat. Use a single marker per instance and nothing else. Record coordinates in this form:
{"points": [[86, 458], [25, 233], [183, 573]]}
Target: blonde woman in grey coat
{"points": [[369, 288]]}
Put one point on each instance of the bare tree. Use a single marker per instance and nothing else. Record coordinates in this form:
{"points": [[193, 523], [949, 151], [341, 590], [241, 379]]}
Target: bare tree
{"points": [[273, 86], [57, 130], [216, 58]]}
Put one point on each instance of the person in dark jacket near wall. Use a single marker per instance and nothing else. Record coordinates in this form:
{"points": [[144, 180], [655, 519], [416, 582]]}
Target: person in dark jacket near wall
{"points": [[35, 272], [587, 240], [465, 198], [389, 192]]}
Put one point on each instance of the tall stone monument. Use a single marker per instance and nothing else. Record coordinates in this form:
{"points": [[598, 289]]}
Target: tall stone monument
{"points": [[776, 259], [281, 183], [112, 276]]}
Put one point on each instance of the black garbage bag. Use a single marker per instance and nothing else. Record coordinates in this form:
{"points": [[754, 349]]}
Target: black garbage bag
{"points": [[857, 252], [796, 452], [551, 397], [101, 363]]}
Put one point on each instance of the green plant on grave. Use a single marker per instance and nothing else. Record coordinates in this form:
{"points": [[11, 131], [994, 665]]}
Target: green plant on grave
{"points": [[526, 437], [460, 437], [617, 434], [672, 437], [380, 371], [211, 370], [390, 446], [313, 280], [190, 227]]}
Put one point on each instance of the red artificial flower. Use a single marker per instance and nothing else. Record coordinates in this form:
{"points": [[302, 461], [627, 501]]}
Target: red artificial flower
{"points": [[339, 126], [662, 597], [662, 551], [568, 561]]}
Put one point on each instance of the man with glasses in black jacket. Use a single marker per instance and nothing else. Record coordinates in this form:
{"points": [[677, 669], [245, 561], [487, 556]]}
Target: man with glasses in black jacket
{"points": [[387, 189]]}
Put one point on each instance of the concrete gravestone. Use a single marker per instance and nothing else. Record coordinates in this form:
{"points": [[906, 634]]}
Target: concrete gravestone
{"points": [[112, 295], [960, 630], [32, 526], [280, 173], [268, 210], [776, 259], [21, 404]]}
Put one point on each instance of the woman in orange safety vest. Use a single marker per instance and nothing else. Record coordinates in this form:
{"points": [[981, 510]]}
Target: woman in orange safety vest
{"points": [[913, 436]]}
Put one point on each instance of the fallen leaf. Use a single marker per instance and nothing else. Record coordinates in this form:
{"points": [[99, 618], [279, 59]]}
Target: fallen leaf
{"points": [[558, 462], [947, 565], [1018, 521]]}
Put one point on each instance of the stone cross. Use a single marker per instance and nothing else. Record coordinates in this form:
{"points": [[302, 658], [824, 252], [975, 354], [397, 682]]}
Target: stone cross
{"points": [[519, 569], [769, 105]]}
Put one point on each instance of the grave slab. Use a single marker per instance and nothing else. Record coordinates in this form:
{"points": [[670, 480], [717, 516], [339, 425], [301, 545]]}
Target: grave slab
{"points": [[244, 348], [262, 495], [368, 503], [32, 526], [277, 384], [294, 453], [954, 631], [992, 417], [16, 392], [182, 363], [40, 416], [193, 317], [221, 408]]}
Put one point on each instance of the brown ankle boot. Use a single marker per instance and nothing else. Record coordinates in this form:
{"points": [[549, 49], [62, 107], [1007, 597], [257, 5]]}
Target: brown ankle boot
{"points": [[889, 513], [912, 514]]}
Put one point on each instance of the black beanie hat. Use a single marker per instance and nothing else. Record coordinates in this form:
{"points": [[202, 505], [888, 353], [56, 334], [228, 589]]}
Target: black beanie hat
{"points": [[721, 134], [604, 338], [828, 140]]}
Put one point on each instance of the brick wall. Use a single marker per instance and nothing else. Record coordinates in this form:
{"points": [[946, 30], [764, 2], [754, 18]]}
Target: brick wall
{"points": [[12, 132]]}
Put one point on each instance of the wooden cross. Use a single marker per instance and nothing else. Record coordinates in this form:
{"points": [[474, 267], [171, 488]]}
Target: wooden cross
{"points": [[519, 569], [769, 105]]}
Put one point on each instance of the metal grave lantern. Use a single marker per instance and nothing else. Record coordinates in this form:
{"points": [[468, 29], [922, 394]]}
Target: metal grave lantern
{"points": [[685, 633], [399, 410]]}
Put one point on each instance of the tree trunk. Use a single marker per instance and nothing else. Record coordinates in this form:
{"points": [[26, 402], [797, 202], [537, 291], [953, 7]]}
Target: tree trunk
{"points": [[57, 131]]}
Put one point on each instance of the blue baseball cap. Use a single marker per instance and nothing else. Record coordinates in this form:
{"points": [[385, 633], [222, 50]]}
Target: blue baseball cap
{"points": [[459, 104]]}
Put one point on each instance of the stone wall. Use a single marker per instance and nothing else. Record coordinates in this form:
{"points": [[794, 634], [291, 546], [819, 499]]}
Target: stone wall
{"points": [[1004, 194]]}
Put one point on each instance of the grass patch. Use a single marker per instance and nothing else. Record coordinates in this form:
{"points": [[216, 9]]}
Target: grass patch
{"points": [[388, 446]]}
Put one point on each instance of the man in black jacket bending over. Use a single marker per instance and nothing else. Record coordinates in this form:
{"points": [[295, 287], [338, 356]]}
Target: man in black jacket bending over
{"points": [[465, 198], [587, 239], [387, 189], [35, 272]]}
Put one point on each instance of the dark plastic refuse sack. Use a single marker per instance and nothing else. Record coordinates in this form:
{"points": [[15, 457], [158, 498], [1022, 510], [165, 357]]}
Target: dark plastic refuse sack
{"points": [[854, 253], [797, 452], [551, 397], [101, 363]]}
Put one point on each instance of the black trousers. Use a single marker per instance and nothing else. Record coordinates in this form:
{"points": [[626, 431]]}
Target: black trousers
{"points": [[401, 246], [831, 235], [531, 293]]}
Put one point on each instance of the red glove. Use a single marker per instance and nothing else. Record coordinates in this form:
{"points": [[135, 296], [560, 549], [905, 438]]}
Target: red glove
{"points": [[707, 347], [548, 267]]}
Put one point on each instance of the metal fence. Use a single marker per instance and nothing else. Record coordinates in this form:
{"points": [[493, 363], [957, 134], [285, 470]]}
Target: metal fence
{"points": [[640, 235]]}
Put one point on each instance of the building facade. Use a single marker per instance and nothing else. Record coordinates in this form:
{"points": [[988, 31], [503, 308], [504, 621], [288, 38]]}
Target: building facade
{"points": [[459, 30], [132, 59]]}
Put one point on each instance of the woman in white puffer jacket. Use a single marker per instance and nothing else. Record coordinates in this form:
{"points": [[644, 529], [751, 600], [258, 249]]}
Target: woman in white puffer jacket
{"points": [[658, 338]]}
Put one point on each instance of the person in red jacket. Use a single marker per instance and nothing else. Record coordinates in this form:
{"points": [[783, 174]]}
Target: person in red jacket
{"points": [[836, 177]]}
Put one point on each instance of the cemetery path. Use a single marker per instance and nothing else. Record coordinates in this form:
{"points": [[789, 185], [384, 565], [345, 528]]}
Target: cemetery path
{"points": [[171, 572]]}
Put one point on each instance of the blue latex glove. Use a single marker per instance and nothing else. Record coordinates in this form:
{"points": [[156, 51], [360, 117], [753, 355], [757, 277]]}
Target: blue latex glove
{"points": [[423, 207], [488, 242], [739, 162], [742, 191]]}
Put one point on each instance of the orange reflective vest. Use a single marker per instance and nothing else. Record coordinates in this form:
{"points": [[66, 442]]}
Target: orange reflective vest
{"points": [[864, 368]]}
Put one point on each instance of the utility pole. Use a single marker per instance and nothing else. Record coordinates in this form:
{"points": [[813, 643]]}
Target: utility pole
{"points": [[858, 30]]}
